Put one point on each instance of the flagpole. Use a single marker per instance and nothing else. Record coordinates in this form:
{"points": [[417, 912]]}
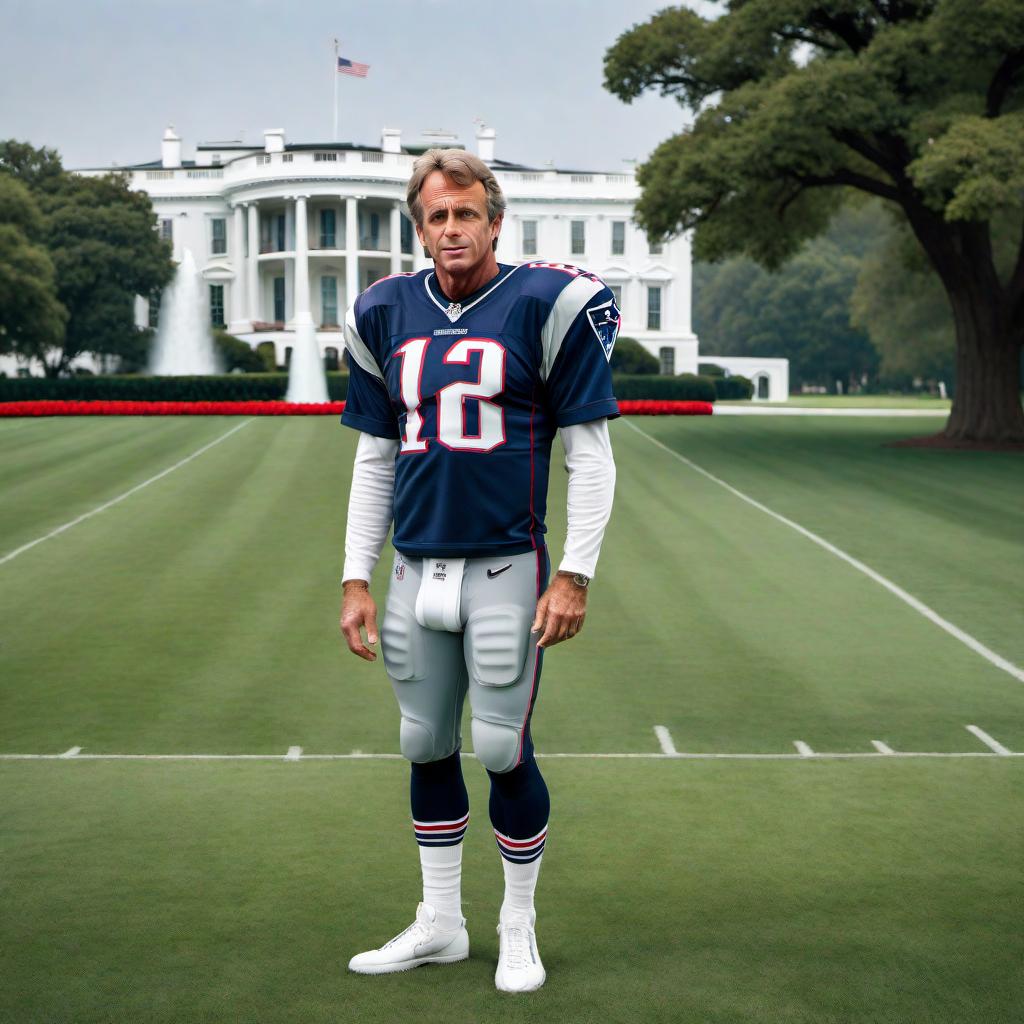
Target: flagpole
{"points": [[334, 71]]}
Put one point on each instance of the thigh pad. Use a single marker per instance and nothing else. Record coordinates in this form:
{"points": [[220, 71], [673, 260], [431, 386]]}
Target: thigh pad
{"points": [[496, 643]]}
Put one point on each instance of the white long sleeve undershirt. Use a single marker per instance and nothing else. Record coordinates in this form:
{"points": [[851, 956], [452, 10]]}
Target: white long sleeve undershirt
{"points": [[591, 488]]}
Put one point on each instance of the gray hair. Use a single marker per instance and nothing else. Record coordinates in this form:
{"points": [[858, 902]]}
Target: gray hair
{"points": [[461, 167]]}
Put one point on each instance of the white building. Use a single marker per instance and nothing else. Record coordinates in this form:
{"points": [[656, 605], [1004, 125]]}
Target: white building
{"points": [[290, 233]]}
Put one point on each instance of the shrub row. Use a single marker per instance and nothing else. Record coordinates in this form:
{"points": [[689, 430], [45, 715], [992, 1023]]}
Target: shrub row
{"points": [[248, 387]]}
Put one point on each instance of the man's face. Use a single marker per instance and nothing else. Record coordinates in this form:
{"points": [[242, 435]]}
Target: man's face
{"points": [[455, 230]]}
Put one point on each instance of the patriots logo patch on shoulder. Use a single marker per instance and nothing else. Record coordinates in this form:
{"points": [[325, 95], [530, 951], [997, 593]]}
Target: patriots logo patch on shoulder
{"points": [[605, 320]]}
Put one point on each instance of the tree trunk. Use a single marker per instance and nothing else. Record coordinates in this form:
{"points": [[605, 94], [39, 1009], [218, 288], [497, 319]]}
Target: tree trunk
{"points": [[987, 401]]}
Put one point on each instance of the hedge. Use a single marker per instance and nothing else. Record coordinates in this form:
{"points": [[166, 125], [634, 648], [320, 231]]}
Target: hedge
{"points": [[245, 387], [735, 386]]}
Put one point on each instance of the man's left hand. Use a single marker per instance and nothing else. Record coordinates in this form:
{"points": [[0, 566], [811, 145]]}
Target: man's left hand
{"points": [[560, 611]]}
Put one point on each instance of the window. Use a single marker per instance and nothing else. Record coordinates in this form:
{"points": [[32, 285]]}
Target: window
{"points": [[217, 305], [618, 238], [154, 307], [406, 233], [667, 361], [579, 237], [219, 230], [279, 299], [529, 238], [329, 300], [327, 229], [655, 248], [330, 358], [279, 223], [167, 229], [616, 290], [654, 308], [370, 231]]}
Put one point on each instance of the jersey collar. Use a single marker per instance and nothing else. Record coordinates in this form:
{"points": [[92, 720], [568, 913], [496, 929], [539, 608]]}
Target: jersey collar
{"points": [[453, 310]]}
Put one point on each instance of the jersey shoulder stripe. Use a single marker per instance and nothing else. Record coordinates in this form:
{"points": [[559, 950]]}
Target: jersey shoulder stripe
{"points": [[573, 299]]}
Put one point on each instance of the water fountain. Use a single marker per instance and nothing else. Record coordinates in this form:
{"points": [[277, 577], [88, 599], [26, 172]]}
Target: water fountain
{"points": [[184, 341], [306, 379]]}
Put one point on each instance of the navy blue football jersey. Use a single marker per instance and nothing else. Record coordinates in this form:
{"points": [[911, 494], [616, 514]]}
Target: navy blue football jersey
{"points": [[474, 392]]}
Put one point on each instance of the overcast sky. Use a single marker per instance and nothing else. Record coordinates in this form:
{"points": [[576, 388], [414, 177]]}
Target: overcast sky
{"points": [[99, 80]]}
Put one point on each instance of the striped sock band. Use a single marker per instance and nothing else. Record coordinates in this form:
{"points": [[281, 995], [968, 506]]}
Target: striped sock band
{"points": [[521, 851], [440, 833]]}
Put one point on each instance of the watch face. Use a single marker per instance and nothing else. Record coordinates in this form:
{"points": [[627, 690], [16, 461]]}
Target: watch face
{"points": [[580, 580]]}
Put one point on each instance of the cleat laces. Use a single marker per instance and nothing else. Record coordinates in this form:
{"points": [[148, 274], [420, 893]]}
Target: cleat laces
{"points": [[517, 945]]}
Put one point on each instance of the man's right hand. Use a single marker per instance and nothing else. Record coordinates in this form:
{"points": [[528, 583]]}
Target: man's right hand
{"points": [[358, 610]]}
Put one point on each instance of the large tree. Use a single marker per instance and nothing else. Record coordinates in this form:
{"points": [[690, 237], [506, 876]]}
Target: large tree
{"points": [[32, 319], [797, 104], [99, 235]]}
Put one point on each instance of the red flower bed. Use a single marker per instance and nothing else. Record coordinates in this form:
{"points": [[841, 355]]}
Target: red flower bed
{"points": [[637, 407]]}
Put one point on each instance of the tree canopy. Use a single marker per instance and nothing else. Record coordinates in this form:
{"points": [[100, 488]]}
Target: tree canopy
{"points": [[797, 104], [97, 236]]}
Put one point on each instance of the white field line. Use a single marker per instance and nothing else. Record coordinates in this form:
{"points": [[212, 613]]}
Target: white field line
{"points": [[989, 742], [665, 739], [882, 748], [113, 501], [294, 754], [919, 606], [73, 752], [803, 410], [803, 748], [679, 756]]}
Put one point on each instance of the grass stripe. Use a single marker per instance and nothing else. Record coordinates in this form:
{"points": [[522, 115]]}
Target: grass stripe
{"points": [[121, 497], [919, 606]]}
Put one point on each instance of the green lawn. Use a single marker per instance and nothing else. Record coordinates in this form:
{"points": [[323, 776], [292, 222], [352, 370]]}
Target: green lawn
{"points": [[198, 615], [858, 402]]}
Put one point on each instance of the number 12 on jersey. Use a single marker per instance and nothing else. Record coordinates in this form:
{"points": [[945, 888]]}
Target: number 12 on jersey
{"points": [[451, 399]]}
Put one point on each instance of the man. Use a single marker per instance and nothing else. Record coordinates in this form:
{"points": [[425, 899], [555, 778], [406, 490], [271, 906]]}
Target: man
{"points": [[459, 378]]}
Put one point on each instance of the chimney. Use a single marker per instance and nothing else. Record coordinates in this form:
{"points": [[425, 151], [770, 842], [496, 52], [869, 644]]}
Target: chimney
{"points": [[171, 148], [391, 140], [485, 143], [273, 140]]}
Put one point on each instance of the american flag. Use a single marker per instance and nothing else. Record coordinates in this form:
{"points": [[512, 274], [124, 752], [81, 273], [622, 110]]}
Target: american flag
{"points": [[352, 67]]}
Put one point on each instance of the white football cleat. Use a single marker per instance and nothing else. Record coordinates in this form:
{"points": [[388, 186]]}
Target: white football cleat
{"points": [[423, 942], [519, 966]]}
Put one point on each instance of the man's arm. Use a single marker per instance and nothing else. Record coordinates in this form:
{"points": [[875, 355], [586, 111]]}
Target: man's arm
{"points": [[370, 506], [591, 468]]}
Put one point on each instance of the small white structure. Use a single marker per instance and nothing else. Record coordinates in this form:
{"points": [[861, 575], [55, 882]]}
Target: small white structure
{"points": [[287, 234], [770, 377]]}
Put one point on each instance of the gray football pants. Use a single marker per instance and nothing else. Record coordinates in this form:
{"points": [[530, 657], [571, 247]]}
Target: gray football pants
{"points": [[495, 659]]}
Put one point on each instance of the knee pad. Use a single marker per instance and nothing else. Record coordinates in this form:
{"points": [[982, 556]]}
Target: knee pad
{"points": [[495, 745], [417, 742]]}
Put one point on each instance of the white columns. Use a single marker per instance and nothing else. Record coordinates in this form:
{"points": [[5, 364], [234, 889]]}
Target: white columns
{"points": [[396, 238], [303, 314], [238, 320], [252, 295], [351, 249]]}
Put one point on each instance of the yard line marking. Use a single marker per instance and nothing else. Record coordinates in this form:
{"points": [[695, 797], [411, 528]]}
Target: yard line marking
{"points": [[882, 748], [989, 742], [919, 606], [73, 752], [294, 753], [805, 750], [840, 756], [665, 739], [113, 501]]}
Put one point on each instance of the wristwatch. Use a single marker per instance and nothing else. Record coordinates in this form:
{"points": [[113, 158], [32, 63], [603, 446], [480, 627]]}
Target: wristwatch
{"points": [[577, 577]]}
